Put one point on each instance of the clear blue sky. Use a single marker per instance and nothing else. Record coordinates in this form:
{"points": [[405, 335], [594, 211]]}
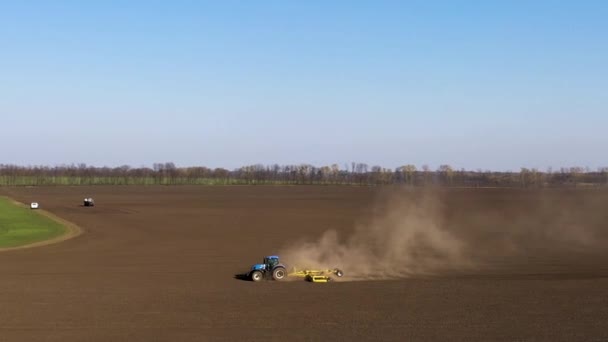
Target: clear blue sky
{"points": [[474, 84]]}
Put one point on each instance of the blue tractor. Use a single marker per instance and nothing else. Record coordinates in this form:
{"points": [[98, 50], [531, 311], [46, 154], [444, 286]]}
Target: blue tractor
{"points": [[271, 268]]}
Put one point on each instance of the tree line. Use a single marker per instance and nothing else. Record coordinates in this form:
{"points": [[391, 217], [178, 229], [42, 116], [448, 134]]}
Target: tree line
{"points": [[301, 174]]}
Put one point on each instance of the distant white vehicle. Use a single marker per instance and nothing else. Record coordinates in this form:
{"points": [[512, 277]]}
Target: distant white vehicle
{"points": [[34, 205], [89, 202]]}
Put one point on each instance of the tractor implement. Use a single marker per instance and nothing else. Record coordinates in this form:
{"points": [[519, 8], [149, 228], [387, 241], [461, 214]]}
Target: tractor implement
{"points": [[316, 276]]}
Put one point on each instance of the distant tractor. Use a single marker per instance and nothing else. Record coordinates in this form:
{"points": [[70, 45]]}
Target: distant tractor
{"points": [[34, 205], [270, 268], [89, 202]]}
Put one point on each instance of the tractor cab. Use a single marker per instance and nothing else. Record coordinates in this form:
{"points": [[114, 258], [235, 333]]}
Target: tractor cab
{"points": [[271, 261]]}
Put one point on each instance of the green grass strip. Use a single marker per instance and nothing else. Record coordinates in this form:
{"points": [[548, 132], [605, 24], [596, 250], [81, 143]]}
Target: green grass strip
{"points": [[20, 226]]}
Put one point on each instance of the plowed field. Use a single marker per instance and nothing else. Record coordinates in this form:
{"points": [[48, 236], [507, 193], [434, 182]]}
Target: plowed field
{"points": [[159, 264]]}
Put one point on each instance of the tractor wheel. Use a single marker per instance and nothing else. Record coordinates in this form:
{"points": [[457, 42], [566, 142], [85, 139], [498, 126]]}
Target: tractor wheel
{"points": [[279, 273], [257, 276]]}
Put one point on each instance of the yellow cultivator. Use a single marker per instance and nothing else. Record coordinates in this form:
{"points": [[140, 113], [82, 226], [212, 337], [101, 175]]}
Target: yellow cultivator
{"points": [[316, 276]]}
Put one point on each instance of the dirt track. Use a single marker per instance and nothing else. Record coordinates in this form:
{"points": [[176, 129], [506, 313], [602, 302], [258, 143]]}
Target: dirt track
{"points": [[158, 264]]}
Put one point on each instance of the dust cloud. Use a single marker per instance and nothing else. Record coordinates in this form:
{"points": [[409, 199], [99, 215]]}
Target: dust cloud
{"points": [[405, 236], [433, 232]]}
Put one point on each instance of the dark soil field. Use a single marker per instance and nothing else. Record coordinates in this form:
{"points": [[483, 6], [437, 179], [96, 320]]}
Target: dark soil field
{"points": [[159, 264]]}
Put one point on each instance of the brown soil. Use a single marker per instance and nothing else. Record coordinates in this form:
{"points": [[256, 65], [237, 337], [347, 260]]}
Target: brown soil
{"points": [[159, 264]]}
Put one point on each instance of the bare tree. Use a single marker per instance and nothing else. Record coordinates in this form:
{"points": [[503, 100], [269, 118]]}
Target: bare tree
{"points": [[408, 173], [576, 174], [447, 172], [604, 174]]}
